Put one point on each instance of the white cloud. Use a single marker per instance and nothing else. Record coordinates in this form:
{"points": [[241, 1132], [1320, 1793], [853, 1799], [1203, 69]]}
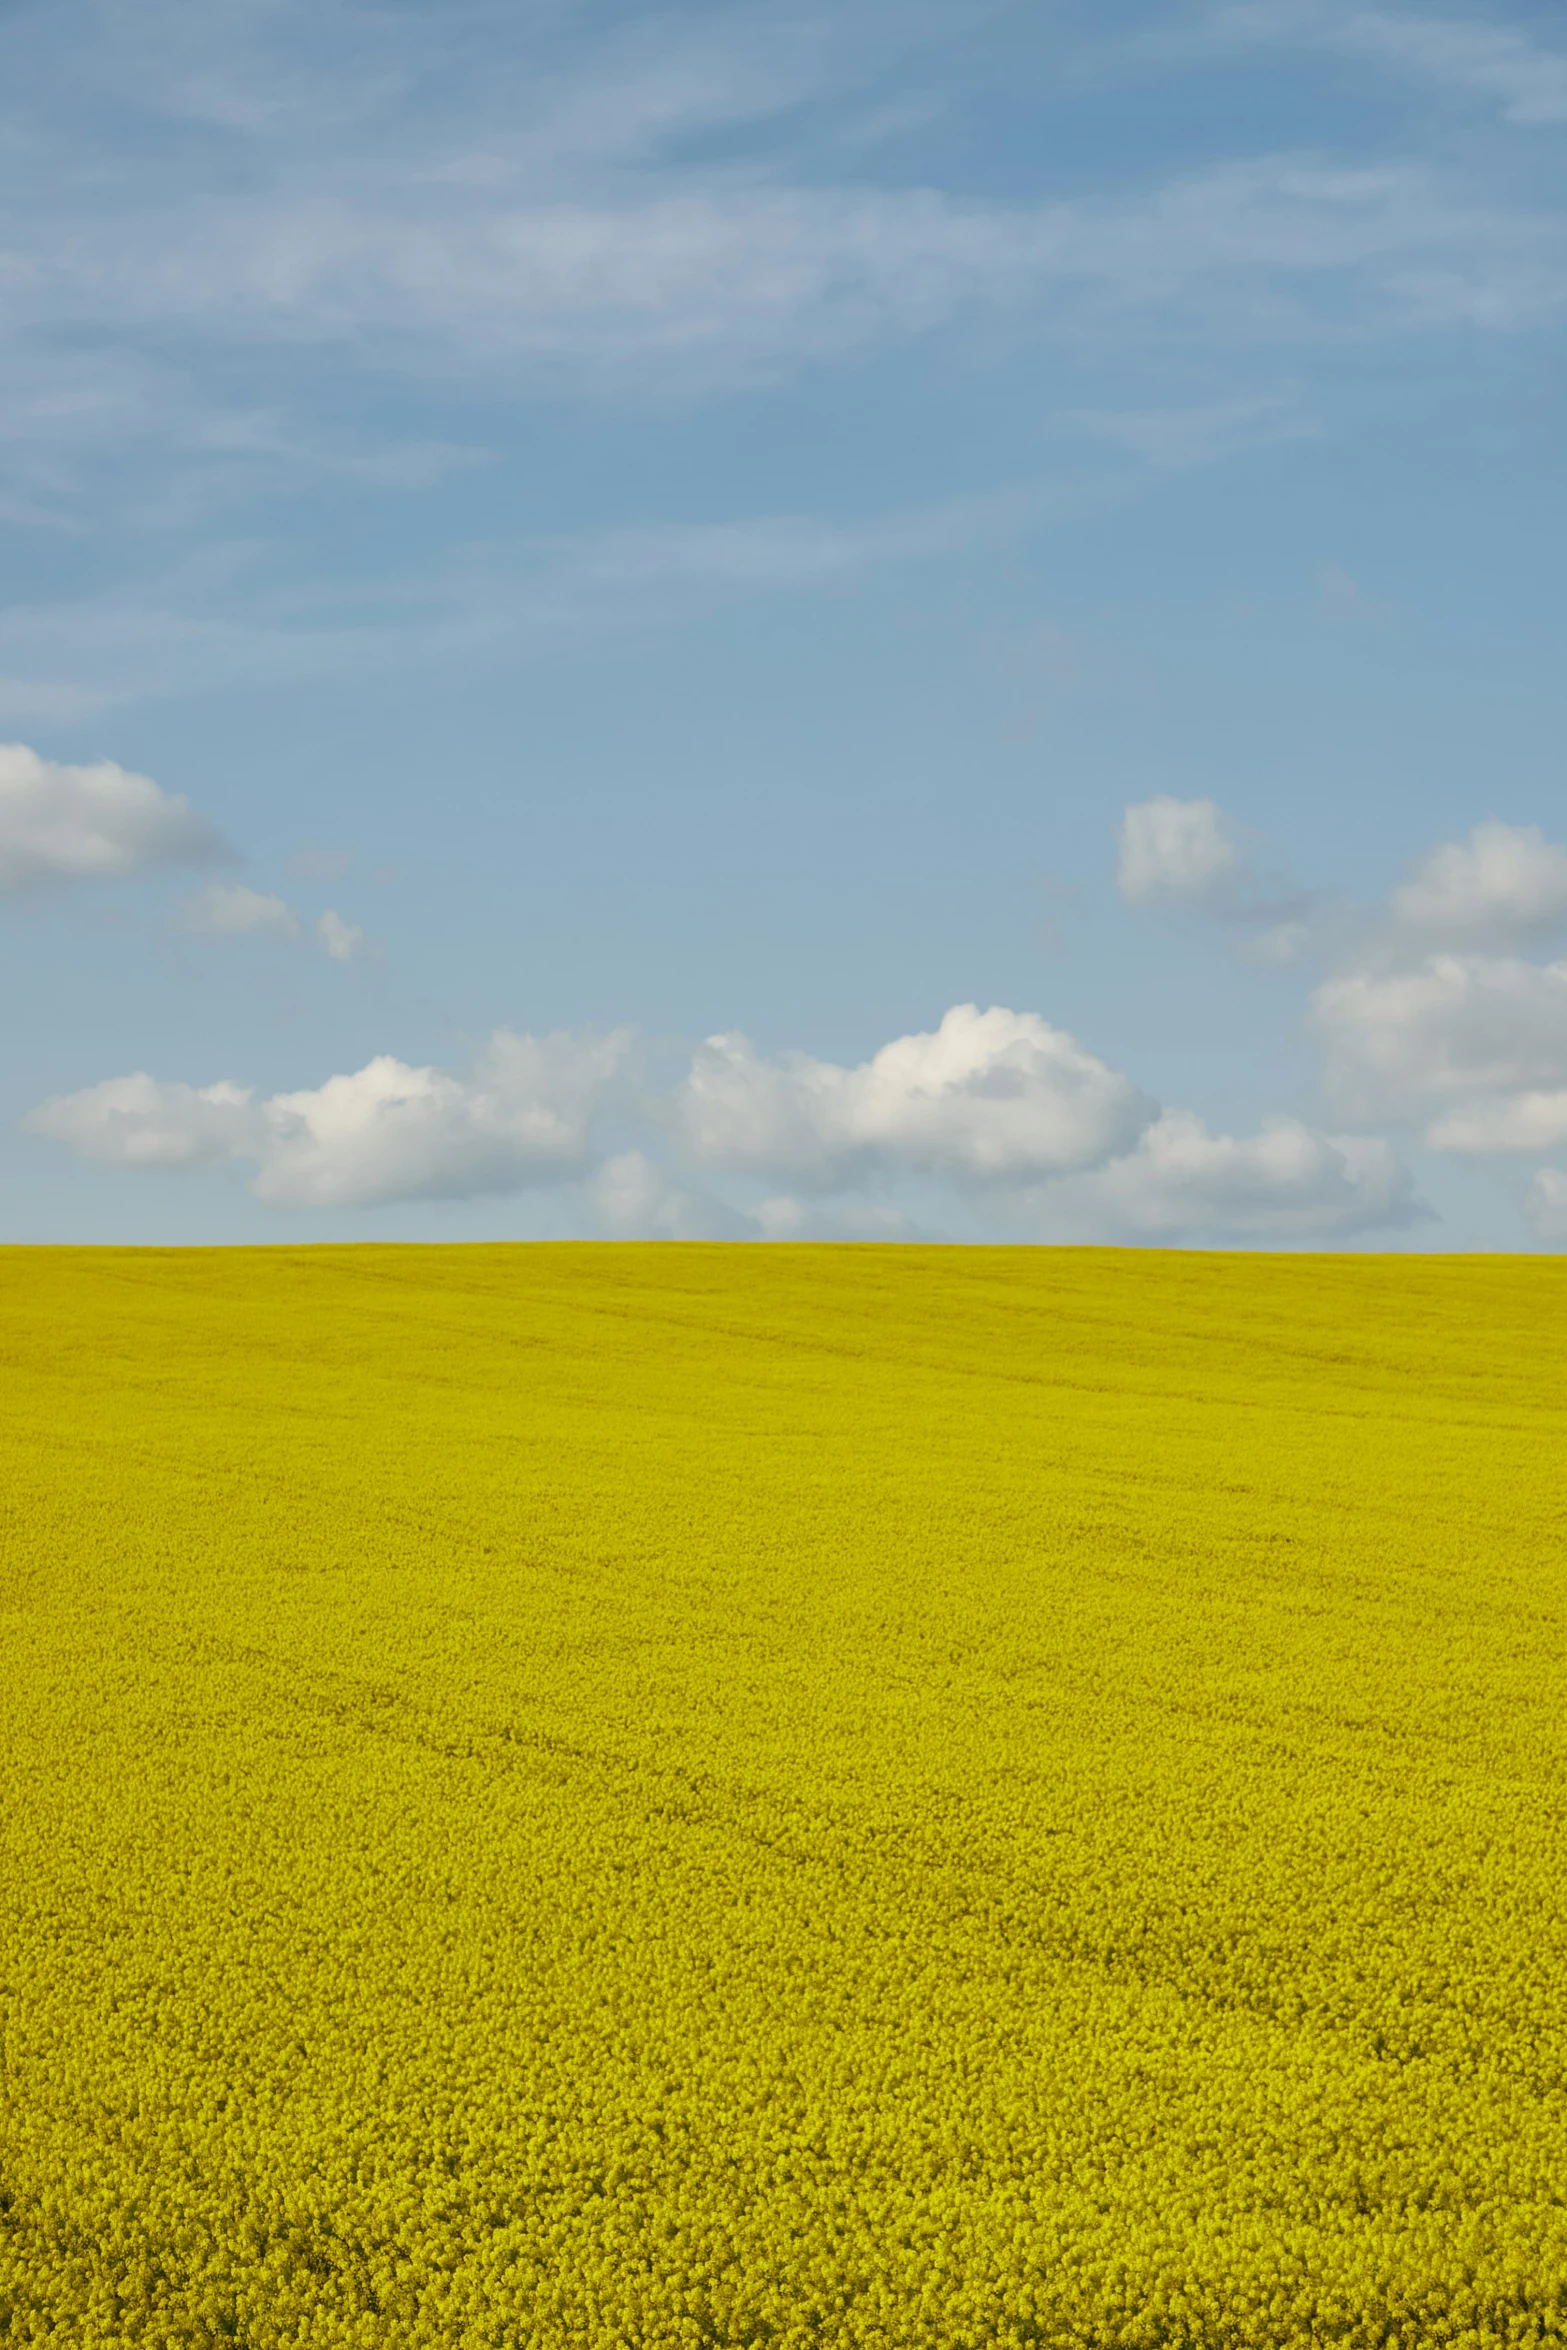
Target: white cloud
{"points": [[342, 940], [232, 910], [63, 823], [637, 1200], [1431, 1014], [1546, 1204], [1176, 849], [386, 1132], [141, 1122], [391, 1132], [1531, 1121], [1285, 1183], [990, 1096], [1036, 1132], [1183, 853], [1459, 1029], [1503, 885]]}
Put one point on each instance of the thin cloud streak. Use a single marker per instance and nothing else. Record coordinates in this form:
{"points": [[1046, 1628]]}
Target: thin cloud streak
{"points": [[1523, 77], [734, 283], [519, 210], [204, 628]]}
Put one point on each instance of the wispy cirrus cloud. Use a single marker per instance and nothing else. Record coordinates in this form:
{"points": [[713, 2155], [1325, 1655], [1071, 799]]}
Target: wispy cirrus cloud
{"points": [[208, 625], [731, 282], [1175, 438], [1526, 78], [1502, 64], [547, 211], [220, 221]]}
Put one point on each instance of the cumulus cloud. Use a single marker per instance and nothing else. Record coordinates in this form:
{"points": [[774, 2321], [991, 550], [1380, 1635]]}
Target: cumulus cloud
{"points": [[1435, 1013], [1178, 850], [1035, 1132], [1533, 1121], [233, 911], [1467, 1031], [522, 1114], [1502, 886], [63, 823], [990, 1096], [1546, 1204], [636, 1199], [342, 940], [230, 910], [390, 1132], [141, 1122], [1286, 1182]]}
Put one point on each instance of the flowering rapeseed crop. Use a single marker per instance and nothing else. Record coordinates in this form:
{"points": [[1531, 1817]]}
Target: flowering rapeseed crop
{"points": [[588, 1796]]}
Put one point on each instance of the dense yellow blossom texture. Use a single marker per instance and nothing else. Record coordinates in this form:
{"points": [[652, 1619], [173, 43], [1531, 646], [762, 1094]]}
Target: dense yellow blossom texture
{"points": [[663, 1795]]}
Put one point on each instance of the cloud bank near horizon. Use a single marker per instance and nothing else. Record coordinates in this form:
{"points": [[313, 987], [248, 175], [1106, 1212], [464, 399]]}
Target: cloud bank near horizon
{"points": [[1433, 1024], [1008, 1113]]}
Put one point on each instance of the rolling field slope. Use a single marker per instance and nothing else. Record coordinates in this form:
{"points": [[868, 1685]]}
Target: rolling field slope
{"points": [[591, 1795]]}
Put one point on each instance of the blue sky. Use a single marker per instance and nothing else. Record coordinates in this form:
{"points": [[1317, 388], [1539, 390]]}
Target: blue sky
{"points": [[915, 621]]}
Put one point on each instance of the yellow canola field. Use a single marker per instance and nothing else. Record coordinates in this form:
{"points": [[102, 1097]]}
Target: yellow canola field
{"points": [[652, 1795]]}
